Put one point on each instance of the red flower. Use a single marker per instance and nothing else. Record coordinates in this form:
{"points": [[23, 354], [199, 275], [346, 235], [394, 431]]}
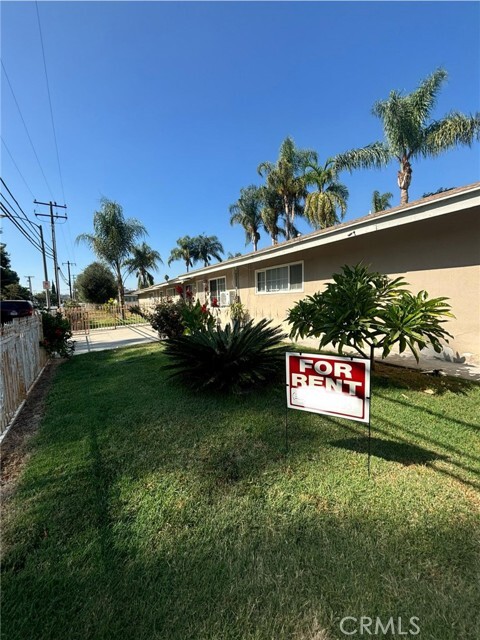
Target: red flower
{"points": [[214, 302], [179, 289], [58, 332], [189, 294], [204, 308]]}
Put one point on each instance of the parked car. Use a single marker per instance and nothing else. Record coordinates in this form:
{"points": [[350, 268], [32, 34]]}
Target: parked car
{"points": [[11, 309]]}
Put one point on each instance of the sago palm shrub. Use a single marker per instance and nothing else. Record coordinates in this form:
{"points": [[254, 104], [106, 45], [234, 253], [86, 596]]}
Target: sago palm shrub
{"points": [[231, 359]]}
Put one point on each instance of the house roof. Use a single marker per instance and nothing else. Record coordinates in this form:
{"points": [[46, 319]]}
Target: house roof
{"points": [[439, 204]]}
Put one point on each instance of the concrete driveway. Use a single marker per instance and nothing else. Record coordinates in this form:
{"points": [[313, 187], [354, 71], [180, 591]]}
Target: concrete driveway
{"points": [[102, 339]]}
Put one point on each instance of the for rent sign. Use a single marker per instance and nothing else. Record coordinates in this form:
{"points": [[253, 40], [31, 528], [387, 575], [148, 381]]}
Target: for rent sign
{"points": [[331, 385]]}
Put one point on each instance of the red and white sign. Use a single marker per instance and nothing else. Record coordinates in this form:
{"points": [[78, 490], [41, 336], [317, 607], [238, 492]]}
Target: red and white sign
{"points": [[332, 385], [46, 284]]}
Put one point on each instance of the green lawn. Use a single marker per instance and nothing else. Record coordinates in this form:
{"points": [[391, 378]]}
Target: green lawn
{"points": [[148, 512]]}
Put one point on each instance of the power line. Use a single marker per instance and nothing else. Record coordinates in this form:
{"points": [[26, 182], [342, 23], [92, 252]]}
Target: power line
{"points": [[16, 167], [13, 219], [50, 101], [34, 225], [26, 129]]}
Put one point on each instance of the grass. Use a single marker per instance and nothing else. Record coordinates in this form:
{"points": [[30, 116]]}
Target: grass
{"points": [[148, 512]]}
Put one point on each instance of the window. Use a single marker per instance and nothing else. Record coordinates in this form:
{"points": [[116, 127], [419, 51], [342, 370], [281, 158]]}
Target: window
{"points": [[216, 286], [284, 278]]}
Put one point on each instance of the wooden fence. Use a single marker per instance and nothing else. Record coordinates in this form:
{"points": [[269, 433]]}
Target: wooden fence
{"points": [[22, 360]]}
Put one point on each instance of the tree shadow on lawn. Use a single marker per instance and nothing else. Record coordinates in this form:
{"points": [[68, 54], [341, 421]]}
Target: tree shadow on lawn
{"points": [[390, 376], [401, 452], [254, 575]]}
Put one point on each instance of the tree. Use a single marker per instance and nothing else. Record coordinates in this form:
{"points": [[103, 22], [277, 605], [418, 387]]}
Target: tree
{"points": [[143, 258], [246, 212], [15, 291], [96, 284], [113, 239], [321, 206], [365, 310], [206, 248], [411, 133], [53, 295], [185, 250], [8, 275], [286, 178], [381, 201], [271, 213]]}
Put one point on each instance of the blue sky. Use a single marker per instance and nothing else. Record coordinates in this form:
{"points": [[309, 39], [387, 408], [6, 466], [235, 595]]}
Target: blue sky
{"points": [[169, 107]]}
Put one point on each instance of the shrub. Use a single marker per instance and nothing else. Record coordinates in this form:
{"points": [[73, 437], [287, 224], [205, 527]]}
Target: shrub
{"points": [[173, 319], [56, 335], [365, 310], [196, 317], [233, 359], [238, 312], [167, 319]]}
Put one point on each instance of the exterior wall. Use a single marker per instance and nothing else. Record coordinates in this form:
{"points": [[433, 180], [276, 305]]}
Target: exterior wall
{"points": [[439, 255]]}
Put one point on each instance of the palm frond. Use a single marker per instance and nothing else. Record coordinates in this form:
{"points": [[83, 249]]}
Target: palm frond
{"points": [[423, 99], [455, 129], [375, 155]]}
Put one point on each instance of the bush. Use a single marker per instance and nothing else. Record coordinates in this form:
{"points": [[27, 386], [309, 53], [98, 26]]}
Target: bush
{"points": [[365, 310], [56, 335], [167, 319], [238, 312], [233, 359], [173, 319]]}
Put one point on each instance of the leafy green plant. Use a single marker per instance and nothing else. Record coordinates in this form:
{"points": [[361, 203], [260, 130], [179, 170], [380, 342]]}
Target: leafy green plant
{"points": [[57, 335], [196, 317], [174, 318], [365, 310], [230, 359], [167, 318], [238, 312]]}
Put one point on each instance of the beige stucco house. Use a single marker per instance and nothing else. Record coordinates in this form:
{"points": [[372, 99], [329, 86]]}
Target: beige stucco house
{"points": [[433, 243]]}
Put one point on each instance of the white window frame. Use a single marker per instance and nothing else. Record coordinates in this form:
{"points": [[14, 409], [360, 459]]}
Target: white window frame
{"points": [[224, 278], [279, 266]]}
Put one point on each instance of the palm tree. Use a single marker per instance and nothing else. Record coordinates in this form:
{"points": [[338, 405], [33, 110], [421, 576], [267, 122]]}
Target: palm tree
{"points": [[271, 212], [331, 195], [246, 211], [285, 177], [113, 239], [381, 201], [411, 133], [143, 258], [185, 250], [206, 248]]}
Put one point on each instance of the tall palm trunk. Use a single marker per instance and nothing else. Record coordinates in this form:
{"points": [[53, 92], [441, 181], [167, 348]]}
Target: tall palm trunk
{"points": [[121, 290], [254, 241], [404, 178], [288, 223]]}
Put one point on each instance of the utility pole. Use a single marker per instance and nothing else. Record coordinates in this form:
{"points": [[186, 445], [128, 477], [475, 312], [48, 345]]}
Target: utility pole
{"points": [[29, 278], [74, 287], [68, 263], [53, 217], [46, 281]]}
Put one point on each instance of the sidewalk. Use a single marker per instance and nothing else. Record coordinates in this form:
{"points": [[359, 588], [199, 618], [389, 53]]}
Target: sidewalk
{"points": [[102, 339]]}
